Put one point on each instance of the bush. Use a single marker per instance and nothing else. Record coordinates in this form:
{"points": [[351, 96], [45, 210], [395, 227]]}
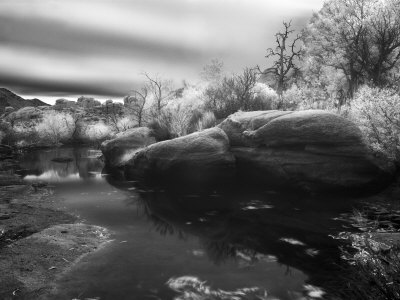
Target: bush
{"points": [[55, 127], [265, 98], [179, 116], [207, 120], [291, 98], [377, 112], [175, 119], [373, 270], [97, 133], [125, 123], [160, 128]]}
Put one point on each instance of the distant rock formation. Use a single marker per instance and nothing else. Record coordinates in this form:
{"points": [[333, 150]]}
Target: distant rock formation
{"points": [[87, 102], [9, 99], [64, 103]]}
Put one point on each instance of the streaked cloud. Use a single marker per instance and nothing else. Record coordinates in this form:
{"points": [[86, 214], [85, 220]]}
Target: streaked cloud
{"points": [[99, 47]]}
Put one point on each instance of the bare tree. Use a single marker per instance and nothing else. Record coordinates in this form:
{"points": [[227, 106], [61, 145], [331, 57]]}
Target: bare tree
{"points": [[113, 118], [232, 93], [77, 126], [244, 87], [285, 54], [160, 90], [136, 104]]}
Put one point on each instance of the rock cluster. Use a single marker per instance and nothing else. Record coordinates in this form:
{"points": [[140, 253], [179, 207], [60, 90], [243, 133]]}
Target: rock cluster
{"points": [[311, 150]]}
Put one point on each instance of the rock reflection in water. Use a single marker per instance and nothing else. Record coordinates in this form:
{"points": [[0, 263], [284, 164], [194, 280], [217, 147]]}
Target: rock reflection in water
{"points": [[271, 227], [39, 165]]}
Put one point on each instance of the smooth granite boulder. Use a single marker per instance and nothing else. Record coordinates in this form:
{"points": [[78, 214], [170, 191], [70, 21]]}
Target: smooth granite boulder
{"points": [[312, 150], [122, 148], [199, 158]]}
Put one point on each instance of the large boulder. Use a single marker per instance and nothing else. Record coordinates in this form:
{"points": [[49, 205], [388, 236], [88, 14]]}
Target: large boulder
{"points": [[236, 124], [198, 159], [314, 150], [120, 149]]}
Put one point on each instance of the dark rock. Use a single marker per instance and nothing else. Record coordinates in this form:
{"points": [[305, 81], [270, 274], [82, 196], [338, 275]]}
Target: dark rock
{"points": [[38, 185], [119, 150], [312, 150], [62, 159], [10, 180], [9, 99], [200, 158], [9, 109], [5, 152]]}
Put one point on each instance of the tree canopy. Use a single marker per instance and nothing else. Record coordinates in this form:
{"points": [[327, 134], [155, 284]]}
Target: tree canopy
{"points": [[360, 38]]}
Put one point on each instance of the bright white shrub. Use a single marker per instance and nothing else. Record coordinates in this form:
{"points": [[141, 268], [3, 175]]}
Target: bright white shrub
{"points": [[264, 96], [377, 112], [55, 126], [125, 123], [178, 116], [97, 132], [207, 120]]}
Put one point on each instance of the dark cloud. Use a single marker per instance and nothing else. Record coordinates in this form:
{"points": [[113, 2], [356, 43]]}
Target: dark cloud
{"points": [[48, 35], [32, 86], [100, 47]]}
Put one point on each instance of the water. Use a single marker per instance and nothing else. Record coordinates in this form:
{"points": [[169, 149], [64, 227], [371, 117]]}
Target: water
{"points": [[172, 246]]}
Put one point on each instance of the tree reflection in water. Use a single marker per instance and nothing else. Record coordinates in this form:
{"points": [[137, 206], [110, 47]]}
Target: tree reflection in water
{"points": [[252, 227]]}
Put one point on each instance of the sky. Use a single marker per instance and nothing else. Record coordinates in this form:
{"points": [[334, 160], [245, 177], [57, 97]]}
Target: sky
{"points": [[51, 49]]}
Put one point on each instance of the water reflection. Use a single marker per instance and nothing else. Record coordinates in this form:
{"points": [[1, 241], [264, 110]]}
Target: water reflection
{"points": [[39, 165], [189, 288], [252, 227], [53, 176], [242, 236]]}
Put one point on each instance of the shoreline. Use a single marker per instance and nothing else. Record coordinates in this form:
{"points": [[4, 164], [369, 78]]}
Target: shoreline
{"points": [[39, 242]]}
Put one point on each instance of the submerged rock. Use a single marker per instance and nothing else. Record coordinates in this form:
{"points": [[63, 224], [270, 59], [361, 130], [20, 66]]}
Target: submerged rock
{"points": [[120, 149], [198, 158], [62, 159], [314, 150]]}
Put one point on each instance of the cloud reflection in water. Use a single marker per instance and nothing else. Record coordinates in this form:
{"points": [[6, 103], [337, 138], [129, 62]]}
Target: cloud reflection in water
{"points": [[53, 176]]}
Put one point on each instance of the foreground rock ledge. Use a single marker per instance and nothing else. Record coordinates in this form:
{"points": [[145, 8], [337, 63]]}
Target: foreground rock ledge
{"points": [[38, 260], [312, 150]]}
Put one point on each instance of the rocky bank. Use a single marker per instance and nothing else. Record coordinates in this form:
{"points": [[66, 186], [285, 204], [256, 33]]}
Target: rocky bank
{"points": [[309, 150], [38, 241]]}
